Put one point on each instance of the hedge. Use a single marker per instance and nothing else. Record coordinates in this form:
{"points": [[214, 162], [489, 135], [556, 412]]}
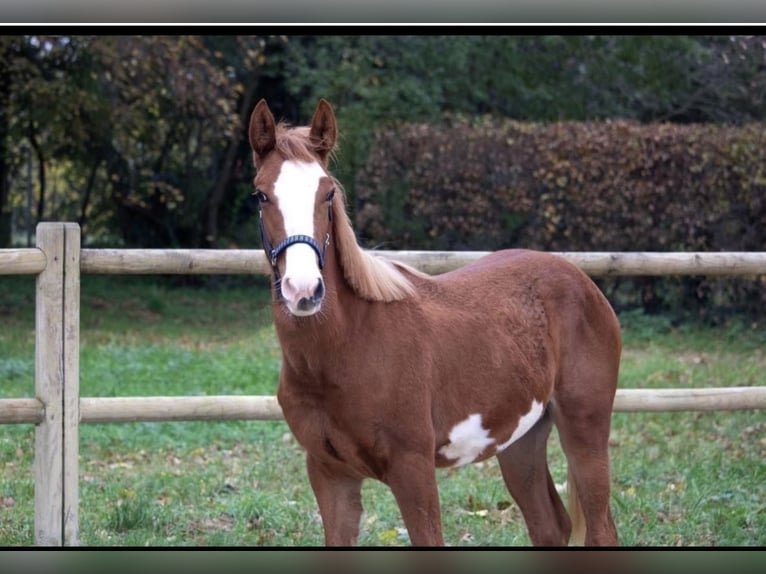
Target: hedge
{"points": [[575, 186]]}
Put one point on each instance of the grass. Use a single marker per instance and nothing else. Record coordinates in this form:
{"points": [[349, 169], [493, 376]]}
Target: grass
{"points": [[679, 479]]}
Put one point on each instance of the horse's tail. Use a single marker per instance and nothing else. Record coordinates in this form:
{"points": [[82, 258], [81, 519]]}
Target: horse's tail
{"points": [[575, 512]]}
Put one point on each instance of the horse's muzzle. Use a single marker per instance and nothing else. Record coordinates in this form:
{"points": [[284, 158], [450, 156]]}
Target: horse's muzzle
{"points": [[303, 300]]}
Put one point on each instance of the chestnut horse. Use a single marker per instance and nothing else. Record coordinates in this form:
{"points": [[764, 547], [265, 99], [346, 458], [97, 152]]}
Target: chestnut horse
{"points": [[388, 373]]}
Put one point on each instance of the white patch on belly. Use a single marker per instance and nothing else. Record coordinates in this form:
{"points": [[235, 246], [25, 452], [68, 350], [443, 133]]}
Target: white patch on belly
{"points": [[467, 440], [526, 422]]}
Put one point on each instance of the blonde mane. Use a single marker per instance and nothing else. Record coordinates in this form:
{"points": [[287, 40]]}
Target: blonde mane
{"points": [[372, 277], [294, 142]]}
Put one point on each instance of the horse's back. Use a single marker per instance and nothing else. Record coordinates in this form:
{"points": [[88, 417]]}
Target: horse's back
{"points": [[502, 274], [522, 282], [511, 265]]}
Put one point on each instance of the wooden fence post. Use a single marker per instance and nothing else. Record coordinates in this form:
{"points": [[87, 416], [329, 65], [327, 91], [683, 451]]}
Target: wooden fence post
{"points": [[57, 327], [71, 419]]}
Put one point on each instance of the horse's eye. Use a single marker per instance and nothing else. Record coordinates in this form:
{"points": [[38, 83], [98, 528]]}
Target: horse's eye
{"points": [[330, 195], [260, 196]]}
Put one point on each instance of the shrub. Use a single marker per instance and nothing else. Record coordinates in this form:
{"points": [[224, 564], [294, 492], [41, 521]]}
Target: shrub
{"points": [[575, 186]]}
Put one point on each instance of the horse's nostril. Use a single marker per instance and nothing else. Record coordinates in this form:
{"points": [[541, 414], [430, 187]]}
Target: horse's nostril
{"points": [[319, 291]]}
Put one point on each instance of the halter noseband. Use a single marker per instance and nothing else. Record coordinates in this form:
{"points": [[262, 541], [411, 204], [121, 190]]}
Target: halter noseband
{"points": [[274, 252]]}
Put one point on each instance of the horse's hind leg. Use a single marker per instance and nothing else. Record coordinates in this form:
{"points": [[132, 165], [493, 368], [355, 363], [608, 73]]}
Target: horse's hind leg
{"points": [[584, 434], [524, 465], [589, 345]]}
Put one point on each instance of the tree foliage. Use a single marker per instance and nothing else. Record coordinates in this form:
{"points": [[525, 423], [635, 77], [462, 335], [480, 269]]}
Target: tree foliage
{"points": [[139, 129], [382, 81], [141, 138]]}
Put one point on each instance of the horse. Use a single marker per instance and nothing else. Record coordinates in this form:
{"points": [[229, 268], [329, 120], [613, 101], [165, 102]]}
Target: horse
{"points": [[389, 373]]}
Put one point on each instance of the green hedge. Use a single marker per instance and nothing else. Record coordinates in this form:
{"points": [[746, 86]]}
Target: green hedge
{"points": [[575, 186]]}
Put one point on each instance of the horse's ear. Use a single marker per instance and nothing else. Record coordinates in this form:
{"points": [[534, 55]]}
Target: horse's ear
{"points": [[262, 131], [324, 129]]}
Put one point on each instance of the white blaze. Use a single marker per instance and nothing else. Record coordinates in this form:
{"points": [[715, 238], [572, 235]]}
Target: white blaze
{"points": [[295, 190]]}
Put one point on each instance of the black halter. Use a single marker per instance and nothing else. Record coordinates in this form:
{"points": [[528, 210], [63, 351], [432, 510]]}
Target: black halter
{"points": [[274, 252]]}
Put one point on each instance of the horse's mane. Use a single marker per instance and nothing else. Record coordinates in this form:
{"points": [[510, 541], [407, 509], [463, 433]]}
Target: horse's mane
{"points": [[294, 143], [372, 277]]}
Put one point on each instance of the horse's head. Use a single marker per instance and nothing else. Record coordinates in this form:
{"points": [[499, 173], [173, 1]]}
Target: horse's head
{"points": [[295, 193]]}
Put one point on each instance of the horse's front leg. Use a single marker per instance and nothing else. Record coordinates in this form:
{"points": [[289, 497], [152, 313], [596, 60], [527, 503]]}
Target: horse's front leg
{"points": [[412, 479], [340, 503]]}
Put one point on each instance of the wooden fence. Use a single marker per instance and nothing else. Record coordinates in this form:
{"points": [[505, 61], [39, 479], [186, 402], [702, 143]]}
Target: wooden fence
{"points": [[57, 409]]}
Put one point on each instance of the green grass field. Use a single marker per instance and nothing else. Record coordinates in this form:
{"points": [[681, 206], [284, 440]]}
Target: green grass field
{"points": [[679, 479]]}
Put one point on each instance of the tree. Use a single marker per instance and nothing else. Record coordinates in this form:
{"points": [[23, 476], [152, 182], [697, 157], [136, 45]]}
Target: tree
{"points": [[145, 130], [142, 138]]}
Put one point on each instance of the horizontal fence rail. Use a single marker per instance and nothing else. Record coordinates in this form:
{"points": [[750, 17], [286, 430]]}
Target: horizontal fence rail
{"points": [[22, 261], [57, 409], [608, 263], [156, 409], [253, 261], [266, 407], [173, 261], [21, 411]]}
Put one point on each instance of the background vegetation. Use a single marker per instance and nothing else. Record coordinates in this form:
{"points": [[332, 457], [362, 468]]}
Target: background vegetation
{"points": [[140, 139], [577, 186]]}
